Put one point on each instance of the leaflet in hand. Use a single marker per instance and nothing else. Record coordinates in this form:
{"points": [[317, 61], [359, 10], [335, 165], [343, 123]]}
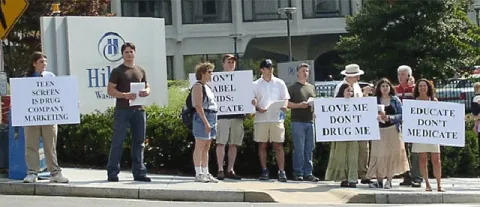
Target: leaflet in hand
{"points": [[136, 88], [311, 101]]}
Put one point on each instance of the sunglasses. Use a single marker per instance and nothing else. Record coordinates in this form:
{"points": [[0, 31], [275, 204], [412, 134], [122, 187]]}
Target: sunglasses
{"points": [[210, 71]]}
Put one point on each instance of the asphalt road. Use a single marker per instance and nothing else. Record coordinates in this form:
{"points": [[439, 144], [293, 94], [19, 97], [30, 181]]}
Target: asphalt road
{"points": [[29, 201]]}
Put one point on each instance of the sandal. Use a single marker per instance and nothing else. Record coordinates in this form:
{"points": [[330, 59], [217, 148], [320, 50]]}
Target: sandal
{"points": [[441, 189], [428, 189]]}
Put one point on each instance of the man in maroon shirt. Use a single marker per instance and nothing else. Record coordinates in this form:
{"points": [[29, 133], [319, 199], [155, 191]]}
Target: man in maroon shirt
{"points": [[404, 90]]}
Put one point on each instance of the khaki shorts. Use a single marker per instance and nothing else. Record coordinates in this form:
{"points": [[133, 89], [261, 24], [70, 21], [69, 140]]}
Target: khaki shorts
{"points": [[230, 131], [269, 132]]}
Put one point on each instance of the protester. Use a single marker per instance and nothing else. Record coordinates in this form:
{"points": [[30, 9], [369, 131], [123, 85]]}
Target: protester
{"points": [[230, 131], [268, 123], [475, 106], [48, 134], [425, 91], [343, 160], [204, 121], [388, 157], [301, 92], [126, 116], [404, 90], [352, 75]]}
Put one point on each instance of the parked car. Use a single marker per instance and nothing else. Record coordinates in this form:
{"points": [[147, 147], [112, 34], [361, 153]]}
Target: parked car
{"points": [[457, 90], [327, 88]]}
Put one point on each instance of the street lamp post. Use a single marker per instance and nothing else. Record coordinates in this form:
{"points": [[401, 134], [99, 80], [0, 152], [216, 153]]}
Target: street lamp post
{"points": [[235, 50], [288, 11]]}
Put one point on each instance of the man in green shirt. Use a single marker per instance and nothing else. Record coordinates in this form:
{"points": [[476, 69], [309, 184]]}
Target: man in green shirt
{"points": [[302, 125]]}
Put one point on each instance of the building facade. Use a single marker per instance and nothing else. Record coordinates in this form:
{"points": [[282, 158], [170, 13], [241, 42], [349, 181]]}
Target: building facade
{"points": [[205, 29], [199, 30]]}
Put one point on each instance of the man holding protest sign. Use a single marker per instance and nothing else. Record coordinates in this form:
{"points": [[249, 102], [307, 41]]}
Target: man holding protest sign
{"points": [[352, 75], [119, 86], [271, 99], [404, 90], [301, 101], [230, 131]]}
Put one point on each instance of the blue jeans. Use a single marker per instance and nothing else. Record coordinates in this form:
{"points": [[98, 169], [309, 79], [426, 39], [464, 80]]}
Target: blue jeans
{"points": [[198, 129], [303, 145], [134, 119]]}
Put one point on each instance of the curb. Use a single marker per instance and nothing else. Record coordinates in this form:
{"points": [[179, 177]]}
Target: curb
{"points": [[134, 193], [407, 197]]}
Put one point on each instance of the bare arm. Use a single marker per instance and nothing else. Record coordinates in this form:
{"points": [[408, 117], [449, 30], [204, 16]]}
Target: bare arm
{"points": [[112, 91], [197, 93]]}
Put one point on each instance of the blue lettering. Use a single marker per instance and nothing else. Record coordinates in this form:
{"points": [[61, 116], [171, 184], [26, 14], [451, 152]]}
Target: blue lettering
{"points": [[97, 77], [102, 95]]}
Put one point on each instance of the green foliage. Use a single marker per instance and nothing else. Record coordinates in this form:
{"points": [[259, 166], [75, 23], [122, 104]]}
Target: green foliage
{"points": [[435, 38], [169, 145]]}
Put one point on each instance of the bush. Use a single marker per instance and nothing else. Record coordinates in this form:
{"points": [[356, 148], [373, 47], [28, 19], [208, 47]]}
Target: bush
{"points": [[169, 144]]}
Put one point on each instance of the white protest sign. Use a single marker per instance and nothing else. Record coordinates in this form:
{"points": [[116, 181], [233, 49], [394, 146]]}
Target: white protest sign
{"points": [[233, 91], [44, 101], [346, 119], [432, 122]]}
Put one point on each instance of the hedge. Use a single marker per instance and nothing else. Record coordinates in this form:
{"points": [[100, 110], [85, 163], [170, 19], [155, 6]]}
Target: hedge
{"points": [[169, 145]]}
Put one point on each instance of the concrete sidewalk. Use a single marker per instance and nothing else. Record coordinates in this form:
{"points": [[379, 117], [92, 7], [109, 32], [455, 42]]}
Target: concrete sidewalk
{"points": [[92, 183]]}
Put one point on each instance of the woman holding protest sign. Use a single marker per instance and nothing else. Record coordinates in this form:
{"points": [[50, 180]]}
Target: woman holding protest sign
{"points": [[343, 161], [388, 156], [425, 91], [48, 134], [204, 121]]}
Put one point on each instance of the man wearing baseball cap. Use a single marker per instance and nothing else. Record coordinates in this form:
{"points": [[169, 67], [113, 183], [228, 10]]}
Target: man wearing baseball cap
{"points": [[230, 131], [268, 123]]}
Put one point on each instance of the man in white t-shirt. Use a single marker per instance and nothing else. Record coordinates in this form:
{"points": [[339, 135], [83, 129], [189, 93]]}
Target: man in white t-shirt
{"points": [[271, 100], [352, 74]]}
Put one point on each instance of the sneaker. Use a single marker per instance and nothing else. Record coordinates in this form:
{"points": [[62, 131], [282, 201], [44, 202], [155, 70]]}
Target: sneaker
{"points": [[31, 178], [112, 179], [210, 178], [200, 178], [58, 178], [388, 185], [233, 176], [376, 184], [142, 179], [366, 181], [311, 178], [282, 177], [298, 178], [221, 175], [265, 175]]}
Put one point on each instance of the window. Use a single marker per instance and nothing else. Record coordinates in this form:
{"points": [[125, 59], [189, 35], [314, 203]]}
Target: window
{"points": [[262, 10], [170, 73], [326, 8], [148, 8], [206, 11]]}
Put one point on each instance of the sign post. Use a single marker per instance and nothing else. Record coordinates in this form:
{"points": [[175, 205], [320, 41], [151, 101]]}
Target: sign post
{"points": [[10, 12]]}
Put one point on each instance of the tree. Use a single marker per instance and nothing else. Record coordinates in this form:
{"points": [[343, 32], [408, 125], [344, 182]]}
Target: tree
{"points": [[24, 38], [434, 37]]}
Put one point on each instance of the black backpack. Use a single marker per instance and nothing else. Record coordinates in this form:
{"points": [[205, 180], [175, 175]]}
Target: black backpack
{"points": [[188, 110]]}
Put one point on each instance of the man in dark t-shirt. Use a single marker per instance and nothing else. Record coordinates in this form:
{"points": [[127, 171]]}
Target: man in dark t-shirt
{"points": [[127, 116], [302, 125]]}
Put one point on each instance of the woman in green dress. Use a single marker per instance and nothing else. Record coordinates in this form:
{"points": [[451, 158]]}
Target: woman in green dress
{"points": [[343, 161]]}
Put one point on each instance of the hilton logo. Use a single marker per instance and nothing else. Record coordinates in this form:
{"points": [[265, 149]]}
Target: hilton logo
{"points": [[109, 46]]}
